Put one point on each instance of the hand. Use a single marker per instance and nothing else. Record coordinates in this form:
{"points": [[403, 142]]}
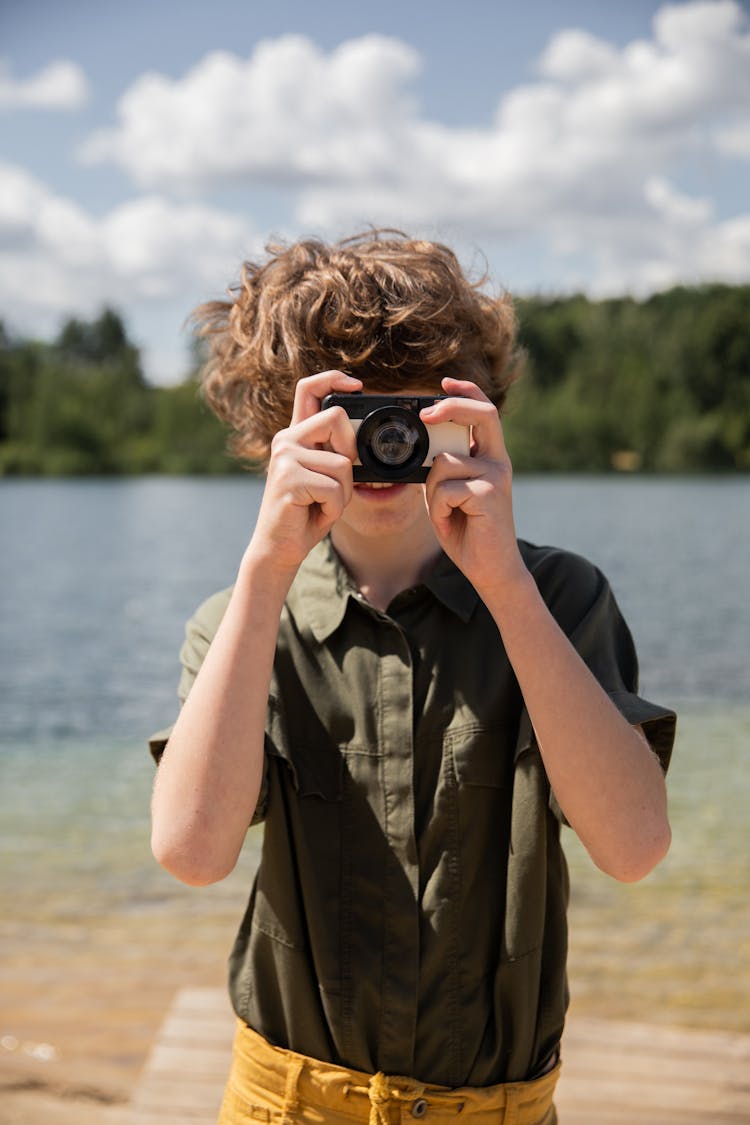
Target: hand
{"points": [[309, 478], [469, 498]]}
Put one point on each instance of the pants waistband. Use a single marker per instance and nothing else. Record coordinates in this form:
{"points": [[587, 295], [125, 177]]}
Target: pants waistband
{"points": [[293, 1080]]}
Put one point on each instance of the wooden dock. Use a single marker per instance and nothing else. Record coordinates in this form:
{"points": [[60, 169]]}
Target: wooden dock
{"points": [[613, 1073]]}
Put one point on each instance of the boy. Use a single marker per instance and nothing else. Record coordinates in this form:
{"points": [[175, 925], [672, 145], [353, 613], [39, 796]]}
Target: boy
{"points": [[412, 701]]}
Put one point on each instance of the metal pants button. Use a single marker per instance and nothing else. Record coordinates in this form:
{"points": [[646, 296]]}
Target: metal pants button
{"points": [[419, 1108]]}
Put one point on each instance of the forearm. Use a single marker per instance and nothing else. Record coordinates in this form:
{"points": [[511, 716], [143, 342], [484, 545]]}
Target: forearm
{"points": [[210, 775], [604, 775], [607, 781], [209, 778]]}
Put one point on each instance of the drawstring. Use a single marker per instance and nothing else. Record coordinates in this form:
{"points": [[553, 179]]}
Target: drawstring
{"points": [[380, 1094]]}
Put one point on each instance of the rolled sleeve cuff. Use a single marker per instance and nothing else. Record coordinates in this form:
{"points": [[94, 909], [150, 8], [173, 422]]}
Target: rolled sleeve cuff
{"points": [[158, 741], [659, 723]]}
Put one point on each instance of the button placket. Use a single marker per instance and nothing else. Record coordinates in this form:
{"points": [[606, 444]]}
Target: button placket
{"points": [[401, 938]]}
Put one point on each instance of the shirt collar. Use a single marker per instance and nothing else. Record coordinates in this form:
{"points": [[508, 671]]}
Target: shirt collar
{"points": [[322, 589], [452, 588]]}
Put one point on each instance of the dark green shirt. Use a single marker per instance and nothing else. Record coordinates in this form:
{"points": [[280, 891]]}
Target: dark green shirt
{"points": [[409, 911]]}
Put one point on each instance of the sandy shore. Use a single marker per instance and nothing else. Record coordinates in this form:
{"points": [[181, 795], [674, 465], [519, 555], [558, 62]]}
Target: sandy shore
{"points": [[69, 1091], [76, 1027], [35, 1107], [84, 1070], [83, 994], [69, 1088]]}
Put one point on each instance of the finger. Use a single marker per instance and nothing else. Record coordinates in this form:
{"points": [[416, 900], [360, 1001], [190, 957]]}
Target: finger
{"points": [[303, 447], [487, 432], [328, 429], [453, 466], [450, 468], [468, 497], [327, 493], [476, 412], [333, 466], [463, 388], [444, 502], [310, 392]]}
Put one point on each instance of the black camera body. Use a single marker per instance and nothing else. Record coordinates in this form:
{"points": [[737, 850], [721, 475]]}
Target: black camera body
{"points": [[393, 443]]}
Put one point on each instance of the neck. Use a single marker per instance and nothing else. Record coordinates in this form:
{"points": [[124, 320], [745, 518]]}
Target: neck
{"points": [[382, 569]]}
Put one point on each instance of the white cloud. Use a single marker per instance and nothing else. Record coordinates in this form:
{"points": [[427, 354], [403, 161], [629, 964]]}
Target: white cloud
{"points": [[288, 114], [677, 211], [734, 140], [60, 85], [146, 247], [161, 247], [57, 260], [575, 157], [573, 54], [680, 251]]}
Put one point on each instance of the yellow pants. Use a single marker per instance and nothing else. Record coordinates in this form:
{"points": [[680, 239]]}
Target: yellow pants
{"points": [[278, 1087]]}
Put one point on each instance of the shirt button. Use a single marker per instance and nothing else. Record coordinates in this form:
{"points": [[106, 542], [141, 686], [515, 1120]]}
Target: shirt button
{"points": [[419, 1108]]}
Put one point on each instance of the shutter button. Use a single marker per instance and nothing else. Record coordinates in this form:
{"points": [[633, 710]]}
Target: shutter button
{"points": [[419, 1108]]}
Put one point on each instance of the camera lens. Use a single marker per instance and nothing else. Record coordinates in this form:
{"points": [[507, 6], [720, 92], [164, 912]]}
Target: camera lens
{"points": [[392, 443]]}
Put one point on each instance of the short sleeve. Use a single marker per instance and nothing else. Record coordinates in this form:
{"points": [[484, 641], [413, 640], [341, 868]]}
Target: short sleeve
{"points": [[581, 601], [199, 632], [604, 641]]}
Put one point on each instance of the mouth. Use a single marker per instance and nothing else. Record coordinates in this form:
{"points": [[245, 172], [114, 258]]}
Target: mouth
{"points": [[379, 491]]}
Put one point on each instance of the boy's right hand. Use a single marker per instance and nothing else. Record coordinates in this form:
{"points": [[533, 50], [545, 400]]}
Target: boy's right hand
{"points": [[309, 477]]}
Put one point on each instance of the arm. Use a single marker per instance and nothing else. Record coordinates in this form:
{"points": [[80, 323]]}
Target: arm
{"points": [[605, 777], [208, 782], [607, 780]]}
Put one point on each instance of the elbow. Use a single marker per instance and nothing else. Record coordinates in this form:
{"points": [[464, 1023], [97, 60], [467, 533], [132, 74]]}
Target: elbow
{"points": [[188, 862], [637, 861]]}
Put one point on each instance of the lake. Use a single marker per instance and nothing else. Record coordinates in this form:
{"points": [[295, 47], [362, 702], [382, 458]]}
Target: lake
{"points": [[98, 578]]}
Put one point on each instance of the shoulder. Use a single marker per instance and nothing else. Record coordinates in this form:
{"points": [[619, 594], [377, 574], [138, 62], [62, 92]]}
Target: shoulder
{"points": [[207, 617], [568, 582], [199, 632], [550, 565]]}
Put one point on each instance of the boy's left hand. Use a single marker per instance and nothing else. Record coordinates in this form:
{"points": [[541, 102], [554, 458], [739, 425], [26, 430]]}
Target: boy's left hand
{"points": [[470, 498]]}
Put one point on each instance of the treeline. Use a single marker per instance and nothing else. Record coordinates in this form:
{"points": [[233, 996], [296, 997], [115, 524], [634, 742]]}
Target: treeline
{"points": [[660, 385], [81, 406]]}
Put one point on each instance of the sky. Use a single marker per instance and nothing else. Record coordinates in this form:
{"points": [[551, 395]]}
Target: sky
{"points": [[147, 148]]}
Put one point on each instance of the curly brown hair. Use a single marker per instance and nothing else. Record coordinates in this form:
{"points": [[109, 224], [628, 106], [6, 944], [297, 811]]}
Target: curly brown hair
{"points": [[396, 312]]}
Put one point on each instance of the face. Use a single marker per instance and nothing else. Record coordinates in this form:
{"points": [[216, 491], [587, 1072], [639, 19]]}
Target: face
{"points": [[385, 527]]}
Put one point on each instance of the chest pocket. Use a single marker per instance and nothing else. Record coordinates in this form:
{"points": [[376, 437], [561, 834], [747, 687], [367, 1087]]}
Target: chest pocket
{"points": [[481, 756], [314, 761]]}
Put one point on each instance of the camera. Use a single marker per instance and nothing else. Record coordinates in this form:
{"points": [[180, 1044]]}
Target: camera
{"points": [[393, 443]]}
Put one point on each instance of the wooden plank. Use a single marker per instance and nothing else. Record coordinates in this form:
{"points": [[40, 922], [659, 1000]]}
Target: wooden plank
{"points": [[184, 1077], [582, 1029], [614, 1073]]}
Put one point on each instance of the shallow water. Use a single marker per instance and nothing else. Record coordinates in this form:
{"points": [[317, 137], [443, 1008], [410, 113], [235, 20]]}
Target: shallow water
{"points": [[97, 581], [676, 947]]}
